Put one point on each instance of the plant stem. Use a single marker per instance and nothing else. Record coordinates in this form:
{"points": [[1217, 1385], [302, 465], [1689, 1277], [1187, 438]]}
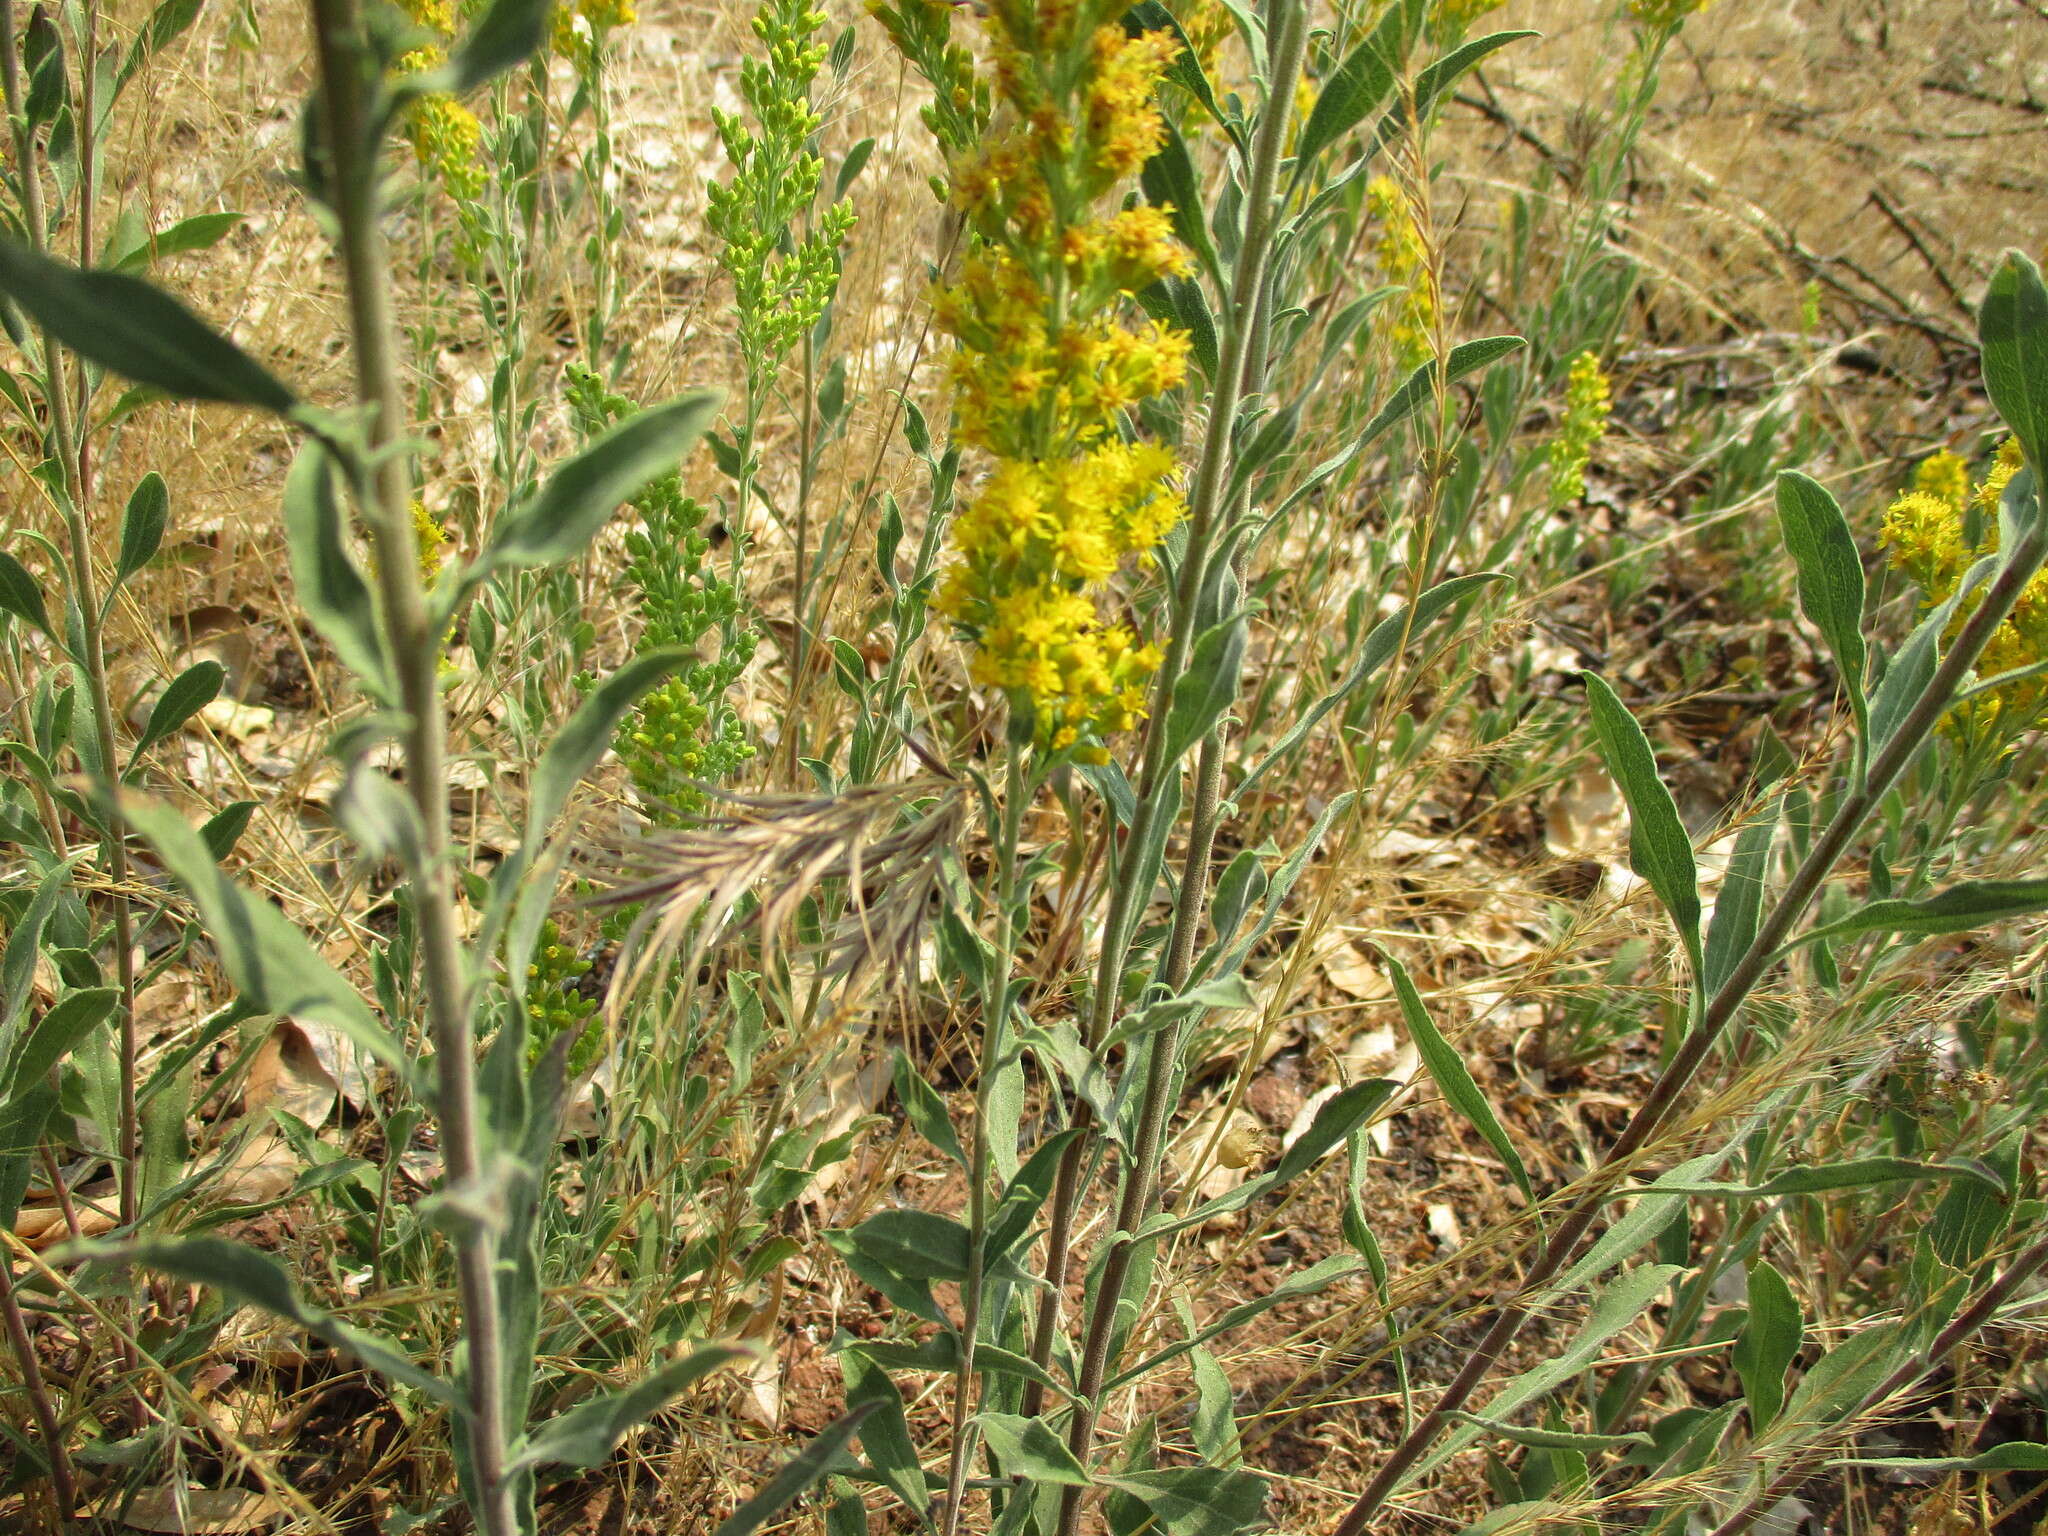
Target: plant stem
{"points": [[414, 647], [1762, 953], [1288, 20], [995, 1027], [37, 1391]]}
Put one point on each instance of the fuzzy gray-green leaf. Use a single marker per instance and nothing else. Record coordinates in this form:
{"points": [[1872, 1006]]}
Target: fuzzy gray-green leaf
{"points": [[137, 330], [1830, 574], [1768, 1344], [1658, 848], [2012, 328], [1957, 909]]}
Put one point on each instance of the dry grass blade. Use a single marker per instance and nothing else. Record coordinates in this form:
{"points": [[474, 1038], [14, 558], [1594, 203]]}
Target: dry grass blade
{"points": [[881, 846]]}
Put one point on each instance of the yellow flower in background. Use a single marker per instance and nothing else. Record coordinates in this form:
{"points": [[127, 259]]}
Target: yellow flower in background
{"points": [[1403, 257], [1926, 535], [1944, 476], [1046, 365], [577, 24], [1587, 405]]}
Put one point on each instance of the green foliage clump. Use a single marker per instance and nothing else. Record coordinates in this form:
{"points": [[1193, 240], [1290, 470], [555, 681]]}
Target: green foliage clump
{"points": [[683, 734]]}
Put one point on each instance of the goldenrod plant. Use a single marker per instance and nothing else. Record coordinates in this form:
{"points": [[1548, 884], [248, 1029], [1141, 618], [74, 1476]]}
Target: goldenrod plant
{"points": [[1281, 936]]}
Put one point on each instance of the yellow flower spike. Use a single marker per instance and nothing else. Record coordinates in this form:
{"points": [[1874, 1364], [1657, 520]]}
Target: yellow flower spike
{"points": [[2003, 467], [1587, 405], [1403, 258]]}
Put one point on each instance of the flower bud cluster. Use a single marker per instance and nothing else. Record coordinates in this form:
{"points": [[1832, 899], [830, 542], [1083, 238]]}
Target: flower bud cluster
{"points": [[1586, 406]]}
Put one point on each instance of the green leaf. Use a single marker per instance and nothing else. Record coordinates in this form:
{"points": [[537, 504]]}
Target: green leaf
{"points": [[1229, 992], [20, 596], [138, 331], [1658, 848], [2012, 1456], [1439, 77], [200, 232], [142, 525], [796, 1475], [330, 589], [884, 1433], [583, 740], [1466, 358], [926, 1110], [224, 828], [268, 959], [1196, 1501], [69, 1020], [506, 34], [1356, 86], [1552, 1439], [587, 1434], [1768, 1344], [561, 519], [188, 693], [1957, 909], [1738, 907], [22, 1119], [24, 944], [2012, 327], [1025, 1196], [252, 1279], [940, 1355], [1859, 1173], [1170, 182], [1447, 1068], [1207, 688], [915, 1244], [1029, 1449], [1830, 576], [167, 21], [1843, 1378]]}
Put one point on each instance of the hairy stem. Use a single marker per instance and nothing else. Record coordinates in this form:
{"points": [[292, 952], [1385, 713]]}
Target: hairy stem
{"points": [[37, 1390], [414, 647]]}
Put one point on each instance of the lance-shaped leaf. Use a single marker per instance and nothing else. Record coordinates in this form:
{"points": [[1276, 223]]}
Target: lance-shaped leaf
{"points": [[2013, 1456], [580, 743], [252, 1279], [1029, 1449], [1658, 848], [186, 694], [142, 525], [330, 588], [587, 1434], [137, 330], [797, 1474], [1196, 1501], [1768, 1344], [2012, 328], [1957, 909], [269, 960], [1357, 85], [1207, 688], [20, 596], [1738, 908], [1552, 1439], [1830, 576], [558, 522], [69, 1020], [1319, 1276], [1447, 1068], [1466, 358]]}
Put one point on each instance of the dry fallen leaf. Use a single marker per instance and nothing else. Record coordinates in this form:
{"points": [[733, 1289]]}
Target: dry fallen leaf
{"points": [[1355, 976], [199, 1511]]}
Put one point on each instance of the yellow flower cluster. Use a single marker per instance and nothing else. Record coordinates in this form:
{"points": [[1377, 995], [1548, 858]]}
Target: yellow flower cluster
{"points": [[1928, 535], [1045, 366], [577, 24], [446, 137], [1403, 257], [1587, 403]]}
